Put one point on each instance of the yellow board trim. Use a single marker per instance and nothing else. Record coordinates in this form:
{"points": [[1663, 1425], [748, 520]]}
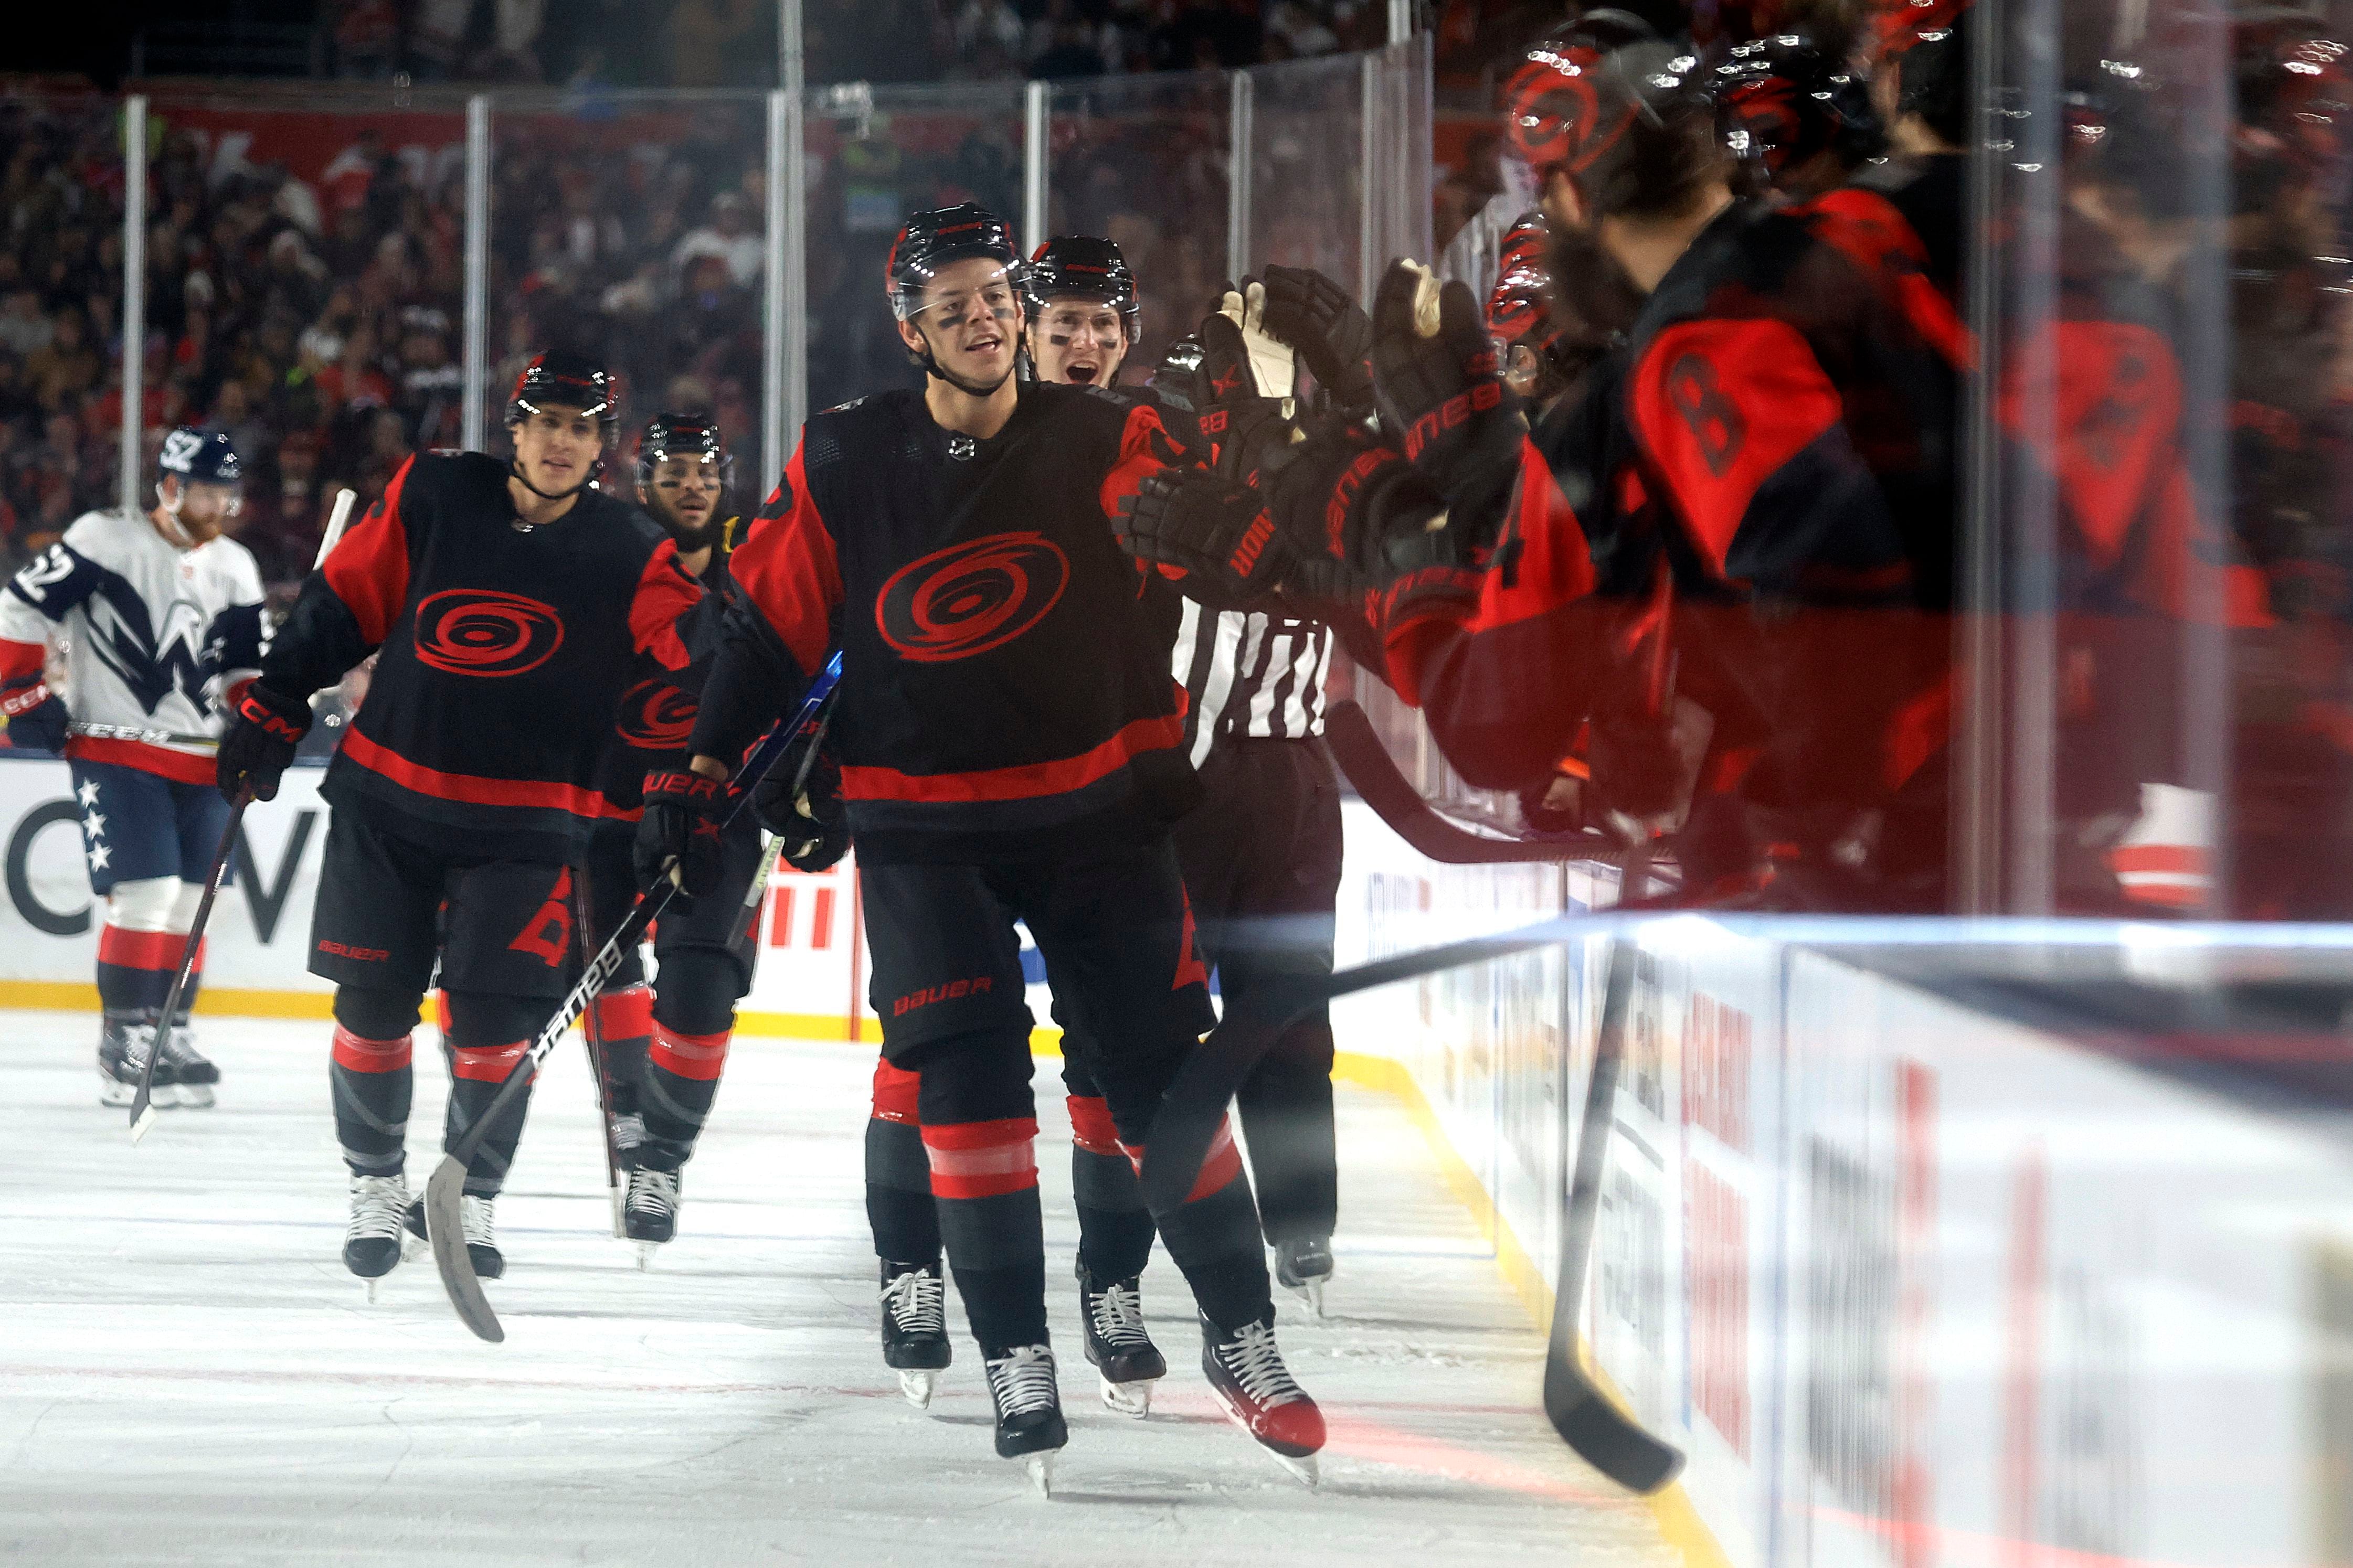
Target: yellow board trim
{"points": [[1679, 1522]]}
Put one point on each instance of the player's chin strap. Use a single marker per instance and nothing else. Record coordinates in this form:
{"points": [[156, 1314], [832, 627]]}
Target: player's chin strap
{"points": [[514, 469]]}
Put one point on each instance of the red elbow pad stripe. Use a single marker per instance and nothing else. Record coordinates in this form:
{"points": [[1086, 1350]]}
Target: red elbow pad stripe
{"points": [[370, 1055], [626, 1013], [894, 1093], [486, 1064], [1090, 1125], [982, 1159], [142, 949], [698, 1057]]}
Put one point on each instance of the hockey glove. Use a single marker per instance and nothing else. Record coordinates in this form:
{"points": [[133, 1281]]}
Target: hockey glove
{"points": [[37, 718], [1249, 439], [1214, 531], [812, 830], [679, 834], [1330, 331], [1437, 381], [259, 745]]}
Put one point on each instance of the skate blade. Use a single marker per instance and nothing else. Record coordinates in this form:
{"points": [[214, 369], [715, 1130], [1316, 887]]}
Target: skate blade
{"points": [[373, 1285], [113, 1092], [646, 1251], [917, 1386], [1129, 1398], [1041, 1466], [620, 1224], [412, 1245], [1303, 1470], [1312, 1292], [196, 1097]]}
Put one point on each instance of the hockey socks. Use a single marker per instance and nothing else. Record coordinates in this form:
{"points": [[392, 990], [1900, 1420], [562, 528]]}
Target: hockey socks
{"points": [[625, 1021], [370, 1078], [135, 969], [899, 1205], [984, 1183], [1213, 1238], [1114, 1226], [679, 1081]]}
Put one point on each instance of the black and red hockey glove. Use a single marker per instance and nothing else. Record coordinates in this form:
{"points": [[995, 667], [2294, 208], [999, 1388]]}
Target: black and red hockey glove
{"points": [[258, 746], [811, 828], [1439, 382], [37, 717], [1214, 531], [1330, 329], [679, 835]]}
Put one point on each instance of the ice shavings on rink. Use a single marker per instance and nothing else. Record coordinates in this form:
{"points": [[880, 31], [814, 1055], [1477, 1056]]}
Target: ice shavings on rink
{"points": [[190, 1376]]}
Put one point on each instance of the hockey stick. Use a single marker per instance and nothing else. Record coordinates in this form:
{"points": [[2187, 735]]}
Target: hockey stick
{"points": [[444, 1224], [134, 732], [1349, 736], [592, 1034], [142, 1103], [1586, 1419], [768, 841]]}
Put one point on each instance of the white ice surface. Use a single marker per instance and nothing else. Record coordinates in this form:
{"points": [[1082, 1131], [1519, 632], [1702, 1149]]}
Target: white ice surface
{"points": [[188, 1375]]}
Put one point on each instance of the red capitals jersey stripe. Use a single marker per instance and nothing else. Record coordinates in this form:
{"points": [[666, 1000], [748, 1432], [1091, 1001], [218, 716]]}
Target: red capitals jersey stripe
{"points": [[1722, 405], [475, 791], [665, 593], [788, 571], [1024, 782], [179, 767], [369, 569]]}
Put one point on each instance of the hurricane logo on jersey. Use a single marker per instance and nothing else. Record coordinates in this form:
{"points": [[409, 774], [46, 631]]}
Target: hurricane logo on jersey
{"points": [[655, 716], [971, 597], [473, 631]]}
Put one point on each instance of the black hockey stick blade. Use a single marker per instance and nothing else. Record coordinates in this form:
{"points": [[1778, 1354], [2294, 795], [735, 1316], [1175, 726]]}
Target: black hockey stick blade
{"points": [[1349, 736], [1586, 1418], [142, 1103], [445, 1193]]}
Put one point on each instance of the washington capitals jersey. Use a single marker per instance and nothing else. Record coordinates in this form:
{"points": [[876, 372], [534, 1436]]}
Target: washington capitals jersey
{"points": [[1006, 678], [150, 628], [502, 655]]}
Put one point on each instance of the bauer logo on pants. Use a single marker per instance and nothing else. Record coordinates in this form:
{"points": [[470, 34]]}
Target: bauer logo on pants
{"points": [[473, 631], [971, 597]]}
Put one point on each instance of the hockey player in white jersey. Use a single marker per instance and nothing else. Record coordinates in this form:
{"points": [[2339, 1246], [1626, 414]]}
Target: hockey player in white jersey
{"points": [[161, 613]]}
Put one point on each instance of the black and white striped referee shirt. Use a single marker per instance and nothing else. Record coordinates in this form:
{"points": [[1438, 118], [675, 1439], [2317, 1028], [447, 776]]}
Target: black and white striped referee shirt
{"points": [[1249, 674]]}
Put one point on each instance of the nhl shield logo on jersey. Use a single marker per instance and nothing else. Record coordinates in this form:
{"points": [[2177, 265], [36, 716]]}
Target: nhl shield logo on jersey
{"points": [[971, 597], [476, 631], [655, 716]]}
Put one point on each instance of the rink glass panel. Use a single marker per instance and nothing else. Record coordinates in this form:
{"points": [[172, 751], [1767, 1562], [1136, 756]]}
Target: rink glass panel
{"points": [[873, 157], [633, 227], [1144, 160], [1306, 176]]}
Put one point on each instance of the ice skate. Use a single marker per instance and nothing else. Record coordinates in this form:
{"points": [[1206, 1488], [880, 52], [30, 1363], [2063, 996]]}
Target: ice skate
{"points": [[1303, 1266], [1029, 1402], [649, 1213], [482, 1240], [193, 1073], [371, 1241], [915, 1328], [1246, 1372], [1117, 1346], [124, 1042]]}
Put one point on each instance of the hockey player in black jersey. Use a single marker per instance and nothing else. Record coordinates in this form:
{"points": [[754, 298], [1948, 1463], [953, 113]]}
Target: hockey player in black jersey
{"points": [[510, 605], [1010, 748], [665, 1044]]}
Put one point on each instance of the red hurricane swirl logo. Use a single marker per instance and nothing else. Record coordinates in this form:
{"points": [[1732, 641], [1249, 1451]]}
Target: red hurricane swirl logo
{"points": [[655, 716], [473, 631], [971, 597]]}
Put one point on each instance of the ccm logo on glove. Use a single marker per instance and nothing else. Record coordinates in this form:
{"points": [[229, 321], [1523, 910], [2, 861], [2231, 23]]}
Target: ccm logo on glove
{"points": [[1456, 410], [265, 719], [23, 702]]}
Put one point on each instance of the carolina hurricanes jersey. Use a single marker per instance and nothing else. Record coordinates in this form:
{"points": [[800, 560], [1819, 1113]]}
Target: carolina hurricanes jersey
{"points": [[657, 714], [1006, 680], [151, 631], [503, 652]]}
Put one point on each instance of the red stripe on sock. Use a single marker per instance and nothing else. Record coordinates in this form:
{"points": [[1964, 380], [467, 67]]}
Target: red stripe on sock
{"points": [[698, 1057], [626, 1013], [370, 1055], [141, 949], [486, 1064], [894, 1093], [982, 1159], [1221, 1166], [1090, 1125]]}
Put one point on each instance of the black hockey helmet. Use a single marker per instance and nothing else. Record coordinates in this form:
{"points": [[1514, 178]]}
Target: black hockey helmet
{"points": [[693, 436], [561, 379], [1780, 100], [1089, 267], [1548, 100], [199, 458], [937, 237], [1648, 143]]}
